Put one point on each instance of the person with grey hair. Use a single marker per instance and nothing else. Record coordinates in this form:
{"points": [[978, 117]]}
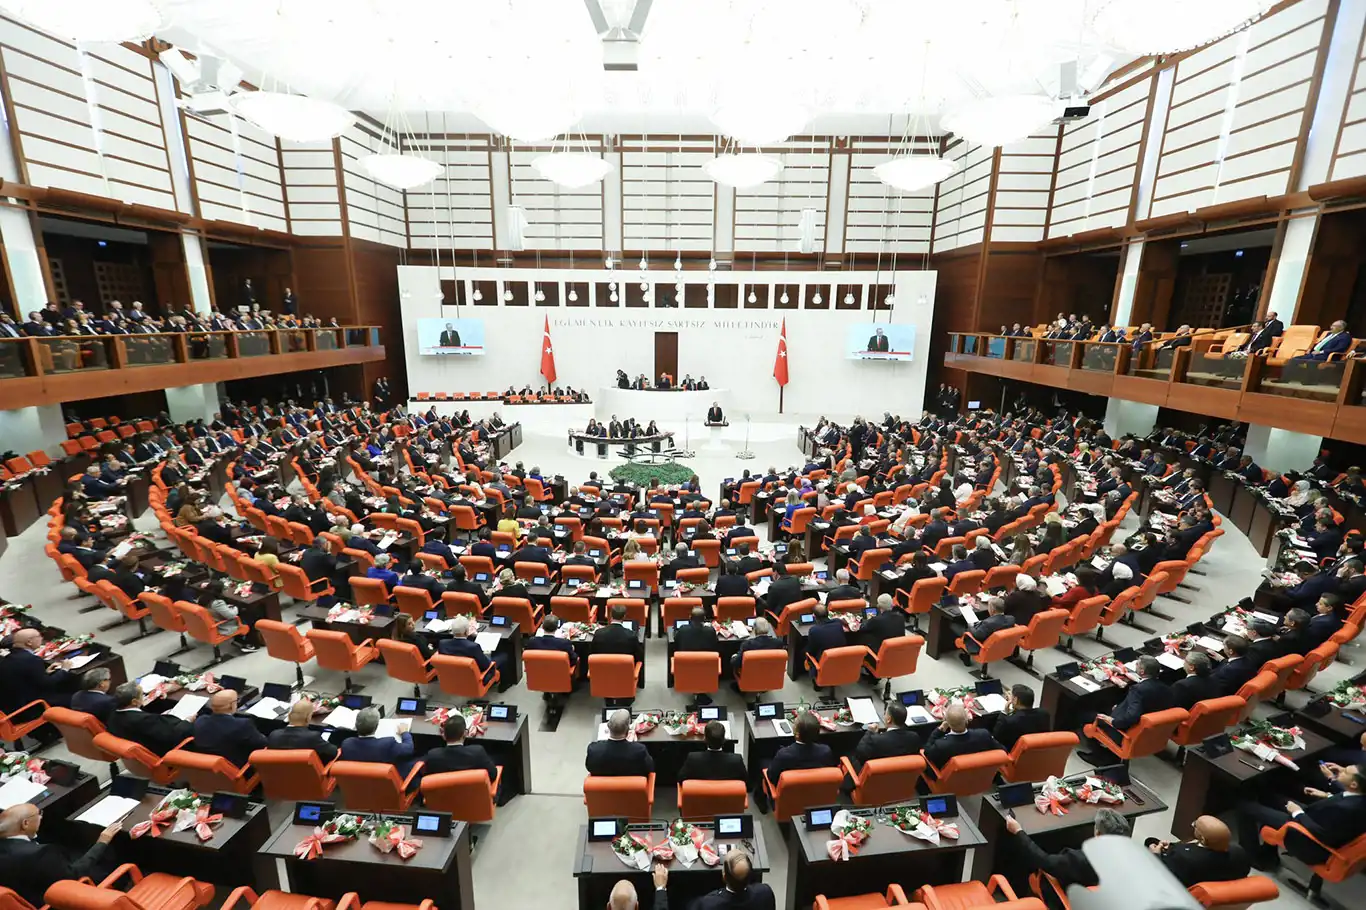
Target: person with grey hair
{"points": [[1147, 695], [369, 746], [736, 891], [1069, 865], [982, 555], [763, 639], [381, 571], [94, 698], [618, 756], [462, 644], [1195, 686], [889, 623]]}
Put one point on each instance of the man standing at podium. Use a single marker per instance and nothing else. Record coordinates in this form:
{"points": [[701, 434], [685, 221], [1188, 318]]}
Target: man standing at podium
{"points": [[878, 342], [714, 415], [450, 338]]}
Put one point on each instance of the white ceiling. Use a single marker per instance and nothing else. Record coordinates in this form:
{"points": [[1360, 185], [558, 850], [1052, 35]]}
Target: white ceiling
{"points": [[852, 64]]}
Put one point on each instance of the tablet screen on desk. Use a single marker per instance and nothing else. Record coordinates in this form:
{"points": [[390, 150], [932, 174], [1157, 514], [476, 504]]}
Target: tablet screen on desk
{"points": [[411, 706], [1012, 795], [166, 668], [355, 702], [502, 712], [498, 621], [768, 710], [604, 828], [129, 787], [734, 826], [277, 691], [231, 805], [940, 806], [1116, 774], [1068, 670], [312, 813], [572, 582], [807, 619], [481, 577], [432, 824], [711, 712], [538, 580], [235, 683], [431, 615], [990, 687], [635, 584], [912, 697], [819, 818]]}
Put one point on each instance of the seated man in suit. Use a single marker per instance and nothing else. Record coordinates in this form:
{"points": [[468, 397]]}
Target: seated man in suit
{"points": [[826, 632], [368, 746], [223, 733], [158, 733], [615, 756], [887, 739], [803, 753], [298, 735], [1210, 857], [1263, 645], [93, 697], [1069, 865], [1020, 718], [763, 639], [25, 677], [1236, 670], [415, 579], [456, 754], [460, 583], [381, 570], [546, 640], [843, 590], [1149, 694], [1196, 685], [462, 644], [1325, 622], [30, 868], [888, 623], [716, 763], [959, 562], [1333, 820], [953, 737], [697, 635], [995, 620], [1336, 340], [745, 562]]}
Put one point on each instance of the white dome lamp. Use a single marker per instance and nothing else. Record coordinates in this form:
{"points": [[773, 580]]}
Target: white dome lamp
{"points": [[573, 295], [507, 295], [540, 294], [478, 295], [784, 298]]}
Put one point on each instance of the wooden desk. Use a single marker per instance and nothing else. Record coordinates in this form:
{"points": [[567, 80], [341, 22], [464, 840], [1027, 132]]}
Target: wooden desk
{"points": [[1051, 832], [669, 752], [1220, 490], [18, 506], [219, 860], [1337, 727], [440, 870], [1211, 785], [379, 627], [508, 744], [939, 639], [1244, 503], [1266, 521], [61, 801], [509, 643], [886, 857], [136, 490], [597, 869]]}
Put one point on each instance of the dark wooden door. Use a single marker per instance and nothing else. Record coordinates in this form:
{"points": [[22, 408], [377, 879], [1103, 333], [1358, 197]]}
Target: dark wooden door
{"points": [[666, 355]]}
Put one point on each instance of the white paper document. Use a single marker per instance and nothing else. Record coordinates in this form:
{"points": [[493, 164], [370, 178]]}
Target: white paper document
{"points": [[488, 641], [1100, 563], [1055, 586], [387, 541], [602, 732], [188, 706], [121, 550], [19, 790], [939, 567], [80, 660], [1171, 661], [108, 810], [268, 708], [1266, 617], [861, 710], [439, 625], [342, 717], [969, 614], [992, 703], [390, 726], [1087, 683], [917, 714], [149, 682], [1212, 644]]}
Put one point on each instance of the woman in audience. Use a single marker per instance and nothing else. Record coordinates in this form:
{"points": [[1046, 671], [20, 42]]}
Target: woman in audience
{"points": [[188, 515], [793, 503], [1021, 549], [510, 586], [405, 630], [632, 552], [268, 555], [795, 555], [1054, 533], [943, 497], [211, 599]]}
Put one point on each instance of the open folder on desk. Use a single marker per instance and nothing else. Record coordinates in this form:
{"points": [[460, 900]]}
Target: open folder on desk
{"points": [[19, 790], [108, 810]]}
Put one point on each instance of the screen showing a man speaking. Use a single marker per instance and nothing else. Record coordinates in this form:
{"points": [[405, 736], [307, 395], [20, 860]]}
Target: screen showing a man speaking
{"points": [[880, 341], [450, 336]]}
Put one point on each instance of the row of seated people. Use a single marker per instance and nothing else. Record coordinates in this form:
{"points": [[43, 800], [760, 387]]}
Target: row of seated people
{"points": [[665, 381], [562, 394], [75, 319]]}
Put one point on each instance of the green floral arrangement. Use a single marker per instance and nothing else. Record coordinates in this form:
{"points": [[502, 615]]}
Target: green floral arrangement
{"points": [[1346, 694]]}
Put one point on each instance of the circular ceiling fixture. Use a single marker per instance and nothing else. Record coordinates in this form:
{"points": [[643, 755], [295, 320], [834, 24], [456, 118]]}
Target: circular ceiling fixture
{"points": [[540, 295], [572, 170], [742, 171], [478, 294], [760, 122], [573, 295], [910, 173], [507, 295], [753, 298], [848, 298], [1000, 120], [816, 298], [111, 21], [402, 172], [783, 299], [1168, 26], [294, 118], [612, 296]]}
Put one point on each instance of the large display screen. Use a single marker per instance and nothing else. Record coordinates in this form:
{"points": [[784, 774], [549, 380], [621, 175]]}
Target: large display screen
{"points": [[880, 341], [462, 337]]}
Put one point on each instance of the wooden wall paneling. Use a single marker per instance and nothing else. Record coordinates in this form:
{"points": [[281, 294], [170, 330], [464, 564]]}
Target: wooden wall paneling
{"points": [[1156, 282], [170, 275], [324, 283], [1332, 271], [377, 303], [1007, 291]]}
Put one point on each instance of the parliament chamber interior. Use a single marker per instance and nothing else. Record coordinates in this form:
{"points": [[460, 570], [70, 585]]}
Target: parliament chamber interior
{"points": [[704, 454]]}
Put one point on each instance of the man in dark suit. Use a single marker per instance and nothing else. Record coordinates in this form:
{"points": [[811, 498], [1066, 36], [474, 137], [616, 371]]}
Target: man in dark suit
{"points": [[450, 338], [995, 620], [1236, 670], [888, 623], [736, 892], [614, 756], [414, 578], [1210, 857], [730, 583], [887, 739], [534, 552], [785, 589], [878, 342], [716, 763], [298, 734], [959, 562], [460, 583], [843, 590], [158, 733], [30, 868], [697, 635], [1020, 717], [936, 529], [1325, 622], [1336, 340], [1333, 820], [93, 697], [825, 633], [615, 638], [462, 644], [804, 753], [368, 746], [1196, 685], [25, 677], [546, 640], [762, 640], [1069, 865], [1149, 694], [223, 733], [456, 754], [953, 737], [1262, 643]]}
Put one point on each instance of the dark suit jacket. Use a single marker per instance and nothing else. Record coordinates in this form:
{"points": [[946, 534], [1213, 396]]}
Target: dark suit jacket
{"points": [[712, 766], [944, 746], [732, 586], [30, 868], [551, 643], [157, 732], [1335, 821], [616, 639], [1192, 863], [618, 758], [1143, 698], [24, 677], [379, 749], [228, 735], [1230, 675], [785, 590], [464, 757], [1069, 865], [798, 756], [886, 744], [1010, 727], [100, 704], [695, 637], [824, 636], [302, 738], [891, 624], [1190, 689], [466, 647], [757, 896]]}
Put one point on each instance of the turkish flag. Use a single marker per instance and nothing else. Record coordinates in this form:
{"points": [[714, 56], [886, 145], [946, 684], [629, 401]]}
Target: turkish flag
{"points": [[547, 356], [780, 362]]}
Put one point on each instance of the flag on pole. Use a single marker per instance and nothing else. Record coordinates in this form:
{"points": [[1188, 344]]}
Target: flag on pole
{"points": [[547, 356], [780, 362]]}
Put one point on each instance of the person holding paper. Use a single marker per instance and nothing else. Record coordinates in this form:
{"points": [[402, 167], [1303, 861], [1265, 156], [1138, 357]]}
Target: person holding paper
{"points": [[762, 640], [298, 734], [462, 644], [888, 739], [158, 733], [995, 621], [25, 677], [368, 745], [1020, 718], [224, 733], [1236, 670], [30, 868]]}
